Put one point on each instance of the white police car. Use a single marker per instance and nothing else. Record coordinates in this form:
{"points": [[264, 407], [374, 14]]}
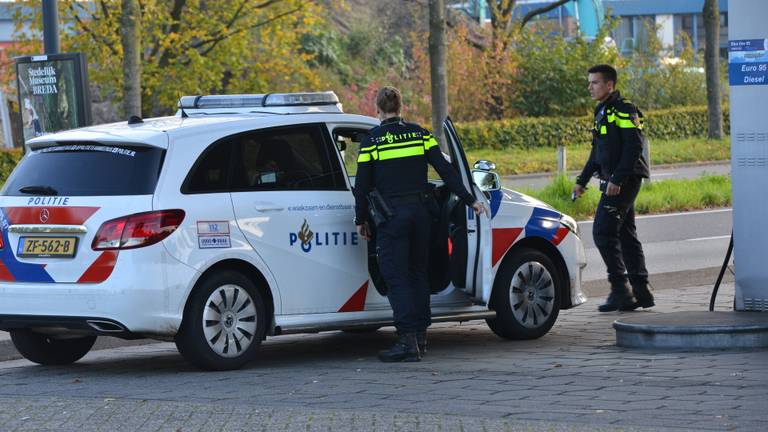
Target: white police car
{"points": [[232, 221]]}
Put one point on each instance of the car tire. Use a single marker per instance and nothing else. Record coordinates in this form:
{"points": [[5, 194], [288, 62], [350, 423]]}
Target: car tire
{"points": [[224, 322], [46, 350], [526, 295]]}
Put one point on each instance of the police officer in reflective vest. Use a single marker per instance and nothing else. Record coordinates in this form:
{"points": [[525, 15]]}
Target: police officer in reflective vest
{"points": [[618, 160], [392, 165]]}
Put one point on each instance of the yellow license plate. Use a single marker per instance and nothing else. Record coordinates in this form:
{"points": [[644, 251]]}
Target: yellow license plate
{"points": [[56, 247]]}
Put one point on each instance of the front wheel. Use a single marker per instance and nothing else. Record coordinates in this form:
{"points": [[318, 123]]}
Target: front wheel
{"points": [[224, 323], [526, 296], [46, 350]]}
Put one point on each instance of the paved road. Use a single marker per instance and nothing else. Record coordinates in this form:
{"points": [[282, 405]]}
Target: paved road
{"points": [[678, 246], [573, 379], [661, 172], [673, 243]]}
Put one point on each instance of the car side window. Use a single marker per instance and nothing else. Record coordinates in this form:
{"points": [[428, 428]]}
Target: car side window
{"points": [[348, 142], [285, 158], [211, 171]]}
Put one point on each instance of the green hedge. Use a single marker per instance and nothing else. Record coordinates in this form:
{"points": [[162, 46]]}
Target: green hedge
{"points": [[8, 161], [528, 132]]}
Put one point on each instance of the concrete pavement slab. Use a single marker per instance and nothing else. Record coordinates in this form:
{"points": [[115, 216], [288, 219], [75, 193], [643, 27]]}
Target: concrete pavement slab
{"points": [[574, 378]]}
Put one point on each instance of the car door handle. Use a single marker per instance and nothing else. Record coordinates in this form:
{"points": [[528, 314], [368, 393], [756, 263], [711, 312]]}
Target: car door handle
{"points": [[269, 209]]}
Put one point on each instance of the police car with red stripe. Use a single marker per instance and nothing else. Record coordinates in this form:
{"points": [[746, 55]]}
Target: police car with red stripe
{"points": [[231, 222]]}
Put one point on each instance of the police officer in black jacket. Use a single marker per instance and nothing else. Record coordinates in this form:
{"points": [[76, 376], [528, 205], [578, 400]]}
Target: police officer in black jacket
{"points": [[393, 162], [618, 160]]}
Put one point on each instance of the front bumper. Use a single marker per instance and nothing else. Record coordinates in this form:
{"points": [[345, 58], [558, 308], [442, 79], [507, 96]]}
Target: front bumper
{"points": [[575, 259]]}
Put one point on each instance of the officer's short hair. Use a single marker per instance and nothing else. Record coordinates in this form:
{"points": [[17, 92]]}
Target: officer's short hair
{"points": [[607, 71], [389, 100]]}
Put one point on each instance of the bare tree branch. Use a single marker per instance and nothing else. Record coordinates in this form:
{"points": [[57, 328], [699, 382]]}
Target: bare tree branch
{"points": [[501, 20], [84, 27], [267, 3], [454, 20], [541, 10], [236, 16], [104, 9], [178, 7], [216, 40]]}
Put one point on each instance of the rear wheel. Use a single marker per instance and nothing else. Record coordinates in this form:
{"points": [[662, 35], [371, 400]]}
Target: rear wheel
{"points": [[46, 350], [526, 295], [224, 323]]}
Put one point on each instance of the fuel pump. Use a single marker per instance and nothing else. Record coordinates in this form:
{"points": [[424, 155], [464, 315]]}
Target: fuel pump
{"points": [[748, 79]]}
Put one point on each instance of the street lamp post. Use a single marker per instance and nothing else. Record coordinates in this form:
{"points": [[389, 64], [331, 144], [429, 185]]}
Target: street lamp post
{"points": [[50, 27]]}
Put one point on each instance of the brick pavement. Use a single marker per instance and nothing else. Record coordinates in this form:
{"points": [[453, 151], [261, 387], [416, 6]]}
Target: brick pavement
{"points": [[575, 378]]}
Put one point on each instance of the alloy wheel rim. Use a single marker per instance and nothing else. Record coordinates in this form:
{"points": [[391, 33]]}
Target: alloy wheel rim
{"points": [[229, 321], [532, 294]]}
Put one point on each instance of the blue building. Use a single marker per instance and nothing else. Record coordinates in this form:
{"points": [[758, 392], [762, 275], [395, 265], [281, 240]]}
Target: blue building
{"points": [[672, 18]]}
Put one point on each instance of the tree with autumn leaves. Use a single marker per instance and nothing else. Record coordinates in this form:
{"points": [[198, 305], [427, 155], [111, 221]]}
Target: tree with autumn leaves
{"points": [[188, 46], [353, 47]]}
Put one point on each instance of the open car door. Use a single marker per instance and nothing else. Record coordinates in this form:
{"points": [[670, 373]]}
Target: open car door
{"points": [[471, 244]]}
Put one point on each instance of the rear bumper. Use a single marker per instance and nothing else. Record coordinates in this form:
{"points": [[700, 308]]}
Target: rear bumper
{"points": [[123, 312], [66, 325], [143, 296]]}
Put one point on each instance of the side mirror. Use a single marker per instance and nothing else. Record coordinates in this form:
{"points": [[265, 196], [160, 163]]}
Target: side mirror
{"points": [[486, 181], [341, 145], [485, 165]]}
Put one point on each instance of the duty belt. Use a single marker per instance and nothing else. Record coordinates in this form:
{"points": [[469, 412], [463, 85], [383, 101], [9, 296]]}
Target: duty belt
{"points": [[411, 198]]}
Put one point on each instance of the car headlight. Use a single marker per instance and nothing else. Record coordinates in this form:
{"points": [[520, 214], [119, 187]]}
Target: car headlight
{"points": [[570, 223]]}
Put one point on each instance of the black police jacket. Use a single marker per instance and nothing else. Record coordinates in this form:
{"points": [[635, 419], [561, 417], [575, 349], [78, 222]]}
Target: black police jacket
{"points": [[393, 159], [617, 143]]}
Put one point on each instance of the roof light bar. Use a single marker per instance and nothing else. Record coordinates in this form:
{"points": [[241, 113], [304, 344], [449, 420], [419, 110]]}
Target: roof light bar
{"points": [[259, 100], [301, 99]]}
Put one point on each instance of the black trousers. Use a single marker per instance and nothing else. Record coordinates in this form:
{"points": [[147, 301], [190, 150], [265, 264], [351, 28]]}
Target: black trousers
{"points": [[615, 236], [402, 245]]}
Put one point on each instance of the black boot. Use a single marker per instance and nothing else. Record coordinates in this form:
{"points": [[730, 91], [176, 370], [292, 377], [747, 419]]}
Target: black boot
{"points": [[643, 296], [421, 341], [404, 350], [620, 298]]}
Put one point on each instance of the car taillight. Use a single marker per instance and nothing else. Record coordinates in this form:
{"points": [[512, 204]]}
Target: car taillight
{"points": [[137, 230], [2, 241]]}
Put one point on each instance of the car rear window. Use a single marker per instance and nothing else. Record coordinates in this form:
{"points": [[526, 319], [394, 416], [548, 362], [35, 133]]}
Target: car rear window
{"points": [[87, 169]]}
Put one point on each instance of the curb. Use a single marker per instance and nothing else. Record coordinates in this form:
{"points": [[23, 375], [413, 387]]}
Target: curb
{"points": [[654, 167], [665, 281]]}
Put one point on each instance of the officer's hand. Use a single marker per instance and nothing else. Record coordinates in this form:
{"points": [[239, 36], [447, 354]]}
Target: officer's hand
{"points": [[612, 189], [578, 190], [480, 208], [364, 231]]}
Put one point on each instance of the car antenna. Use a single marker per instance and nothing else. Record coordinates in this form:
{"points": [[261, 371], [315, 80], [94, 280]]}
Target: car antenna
{"points": [[181, 108], [134, 119]]}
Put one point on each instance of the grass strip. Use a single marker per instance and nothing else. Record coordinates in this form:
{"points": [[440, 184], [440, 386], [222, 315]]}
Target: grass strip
{"points": [[662, 196], [525, 161]]}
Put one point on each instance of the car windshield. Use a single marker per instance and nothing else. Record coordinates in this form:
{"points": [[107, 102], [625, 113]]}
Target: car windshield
{"points": [[86, 169]]}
